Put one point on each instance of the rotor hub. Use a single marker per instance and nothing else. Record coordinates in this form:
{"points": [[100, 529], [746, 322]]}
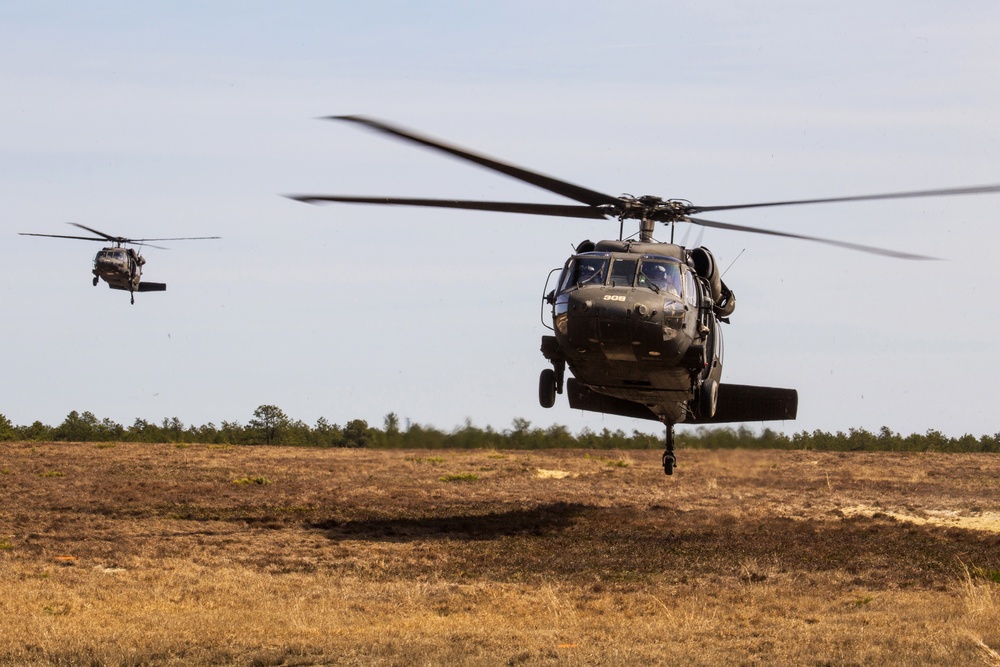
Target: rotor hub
{"points": [[653, 208]]}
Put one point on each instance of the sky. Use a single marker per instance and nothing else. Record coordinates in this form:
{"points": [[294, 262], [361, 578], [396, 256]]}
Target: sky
{"points": [[192, 119]]}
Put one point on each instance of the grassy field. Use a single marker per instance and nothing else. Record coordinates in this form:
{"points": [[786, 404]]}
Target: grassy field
{"points": [[125, 554]]}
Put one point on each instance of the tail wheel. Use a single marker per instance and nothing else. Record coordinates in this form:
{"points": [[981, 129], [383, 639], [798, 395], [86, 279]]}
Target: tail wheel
{"points": [[547, 388]]}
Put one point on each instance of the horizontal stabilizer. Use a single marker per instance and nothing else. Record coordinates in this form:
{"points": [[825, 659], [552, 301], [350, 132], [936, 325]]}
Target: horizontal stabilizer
{"points": [[736, 403], [152, 287], [582, 397], [744, 403]]}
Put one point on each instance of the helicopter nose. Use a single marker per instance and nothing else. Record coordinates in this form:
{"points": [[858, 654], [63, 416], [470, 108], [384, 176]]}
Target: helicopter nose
{"points": [[603, 318], [616, 322], [622, 325]]}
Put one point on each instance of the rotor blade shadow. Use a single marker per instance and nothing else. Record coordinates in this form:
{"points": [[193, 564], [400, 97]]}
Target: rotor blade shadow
{"points": [[541, 520]]}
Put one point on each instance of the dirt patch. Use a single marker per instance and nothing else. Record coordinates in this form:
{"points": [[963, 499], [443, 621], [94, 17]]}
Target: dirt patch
{"points": [[982, 521], [552, 474]]}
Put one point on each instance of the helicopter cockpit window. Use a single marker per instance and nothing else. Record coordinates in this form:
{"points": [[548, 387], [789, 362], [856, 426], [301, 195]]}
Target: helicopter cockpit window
{"points": [[691, 287], [111, 255], [661, 276], [587, 271], [622, 272]]}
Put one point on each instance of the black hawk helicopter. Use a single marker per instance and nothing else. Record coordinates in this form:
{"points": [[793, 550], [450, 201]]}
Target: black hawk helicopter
{"points": [[637, 321], [118, 266]]}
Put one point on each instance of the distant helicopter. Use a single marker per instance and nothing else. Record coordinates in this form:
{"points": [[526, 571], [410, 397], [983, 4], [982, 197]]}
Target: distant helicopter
{"points": [[118, 266], [637, 321]]}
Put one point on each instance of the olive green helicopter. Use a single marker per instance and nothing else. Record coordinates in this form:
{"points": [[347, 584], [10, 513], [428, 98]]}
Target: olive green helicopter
{"points": [[118, 266], [637, 321]]}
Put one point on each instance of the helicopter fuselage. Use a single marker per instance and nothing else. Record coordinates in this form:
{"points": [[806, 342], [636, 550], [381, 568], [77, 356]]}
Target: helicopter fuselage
{"points": [[635, 322], [120, 268]]}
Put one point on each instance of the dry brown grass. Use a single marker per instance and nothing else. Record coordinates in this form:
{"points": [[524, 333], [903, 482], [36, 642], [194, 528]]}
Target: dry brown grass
{"points": [[155, 554]]}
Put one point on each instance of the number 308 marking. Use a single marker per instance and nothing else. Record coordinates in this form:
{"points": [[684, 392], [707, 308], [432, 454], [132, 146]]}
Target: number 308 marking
{"points": [[613, 297]]}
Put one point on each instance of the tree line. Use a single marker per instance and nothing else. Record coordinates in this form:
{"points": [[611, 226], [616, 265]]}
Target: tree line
{"points": [[269, 425]]}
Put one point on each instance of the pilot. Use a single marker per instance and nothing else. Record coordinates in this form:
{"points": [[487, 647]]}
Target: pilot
{"points": [[590, 272], [674, 283], [663, 278]]}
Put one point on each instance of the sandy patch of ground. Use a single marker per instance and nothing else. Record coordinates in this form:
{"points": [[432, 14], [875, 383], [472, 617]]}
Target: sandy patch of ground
{"points": [[983, 521], [552, 474]]}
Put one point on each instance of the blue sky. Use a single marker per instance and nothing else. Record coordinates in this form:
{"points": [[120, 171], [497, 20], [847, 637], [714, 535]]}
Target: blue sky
{"points": [[191, 119]]}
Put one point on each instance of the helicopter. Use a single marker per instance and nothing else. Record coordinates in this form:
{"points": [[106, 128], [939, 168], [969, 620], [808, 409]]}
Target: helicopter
{"points": [[118, 266], [637, 321]]}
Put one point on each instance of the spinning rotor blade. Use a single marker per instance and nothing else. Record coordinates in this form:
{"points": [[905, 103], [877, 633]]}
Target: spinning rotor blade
{"points": [[841, 244], [565, 211], [177, 238], [107, 237], [975, 190], [117, 239], [599, 205], [574, 192], [104, 240], [122, 239], [148, 245], [63, 236]]}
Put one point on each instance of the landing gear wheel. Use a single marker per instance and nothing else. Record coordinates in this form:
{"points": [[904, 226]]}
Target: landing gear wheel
{"points": [[132, 295], [669, 460], [95, 281], [547, 388]]}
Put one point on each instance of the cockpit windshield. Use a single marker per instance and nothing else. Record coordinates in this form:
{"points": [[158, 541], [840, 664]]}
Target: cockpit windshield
{"points": [[111, 255], [651, 272], [586, 270], [660, 276], [622, 272]]}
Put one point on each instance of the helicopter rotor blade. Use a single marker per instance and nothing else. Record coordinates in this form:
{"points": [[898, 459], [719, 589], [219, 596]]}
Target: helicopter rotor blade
{"points": [[974, 190], [565, 211], [90, 238], [147, 245], [145, 242], [108, 237], [600, 205], [841, 244], [64, 236], [117, 239], [177, 238], [574, 192]]}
